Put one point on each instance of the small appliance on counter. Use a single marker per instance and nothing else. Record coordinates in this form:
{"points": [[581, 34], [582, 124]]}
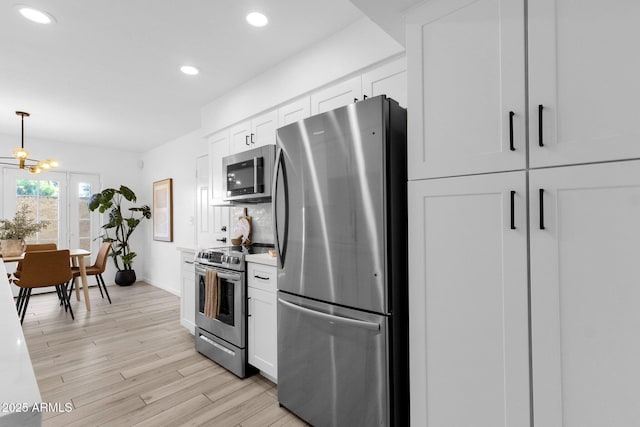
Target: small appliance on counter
{"points": [[221, 305]]}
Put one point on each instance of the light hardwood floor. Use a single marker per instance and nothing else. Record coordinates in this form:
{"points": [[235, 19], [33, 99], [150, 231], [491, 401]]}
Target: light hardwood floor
{"points": [[132, 363]]}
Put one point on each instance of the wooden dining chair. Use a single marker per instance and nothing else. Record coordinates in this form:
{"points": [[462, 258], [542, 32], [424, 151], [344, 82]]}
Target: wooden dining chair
{"points": [[41, 269], [96, 269]]}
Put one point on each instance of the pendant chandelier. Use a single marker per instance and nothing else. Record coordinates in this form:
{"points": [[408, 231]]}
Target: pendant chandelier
{"points": [[21, 156]]}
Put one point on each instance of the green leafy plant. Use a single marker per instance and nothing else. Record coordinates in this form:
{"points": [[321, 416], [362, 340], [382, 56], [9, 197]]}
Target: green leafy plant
{"points": [[21, 227], [119, 227]]}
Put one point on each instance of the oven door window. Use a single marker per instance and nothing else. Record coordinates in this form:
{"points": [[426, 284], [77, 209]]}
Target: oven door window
{"points": [[225, 311], [246, 177]]}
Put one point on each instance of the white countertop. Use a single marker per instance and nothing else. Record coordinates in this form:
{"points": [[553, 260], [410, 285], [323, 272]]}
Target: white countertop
{"points": [[265, 259], [18, 387]]}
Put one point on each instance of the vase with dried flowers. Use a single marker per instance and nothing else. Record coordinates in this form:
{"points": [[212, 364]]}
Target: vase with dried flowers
{"points": [[14, 231]]}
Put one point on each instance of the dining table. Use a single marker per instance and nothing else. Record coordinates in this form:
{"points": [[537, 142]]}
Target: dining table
{"points": [[77, 257]]}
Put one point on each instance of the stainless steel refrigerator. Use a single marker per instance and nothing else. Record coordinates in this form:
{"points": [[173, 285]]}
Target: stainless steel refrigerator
{"points": [[340, 219]]}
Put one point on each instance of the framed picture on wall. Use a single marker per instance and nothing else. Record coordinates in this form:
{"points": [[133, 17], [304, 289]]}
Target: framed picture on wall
{"points": [[163, 210]]}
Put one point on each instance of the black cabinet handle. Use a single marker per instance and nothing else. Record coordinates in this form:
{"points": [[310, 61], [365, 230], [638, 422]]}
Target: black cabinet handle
{"points": [[540, 138], [252, 141], [223, 240], [511, 147], [223, 228], [364, 97], [261, 278], [513, 219], [355, 99], [541, 195], [246, 140]]}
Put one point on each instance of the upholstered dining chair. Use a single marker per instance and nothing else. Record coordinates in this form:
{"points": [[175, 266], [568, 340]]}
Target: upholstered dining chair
{"points": [[33, 247], [41, 269], [96, 269]]}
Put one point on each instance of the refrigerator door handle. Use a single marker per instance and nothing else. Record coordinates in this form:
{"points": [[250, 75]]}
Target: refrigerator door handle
{"points": [[281, 249], [331, 317]]}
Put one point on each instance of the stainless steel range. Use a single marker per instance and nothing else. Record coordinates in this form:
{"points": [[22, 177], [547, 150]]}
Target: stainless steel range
{"points": [[221, 305]]}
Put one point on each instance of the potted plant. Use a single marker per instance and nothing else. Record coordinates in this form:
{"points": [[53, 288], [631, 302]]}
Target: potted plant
{"points": [[13, 232], [119, 228]]}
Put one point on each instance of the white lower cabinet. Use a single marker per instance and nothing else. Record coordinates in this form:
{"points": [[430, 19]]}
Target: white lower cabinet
{"points": [[187, 290], [262, 312], [468, 301], [585, 295], [470, 308]]}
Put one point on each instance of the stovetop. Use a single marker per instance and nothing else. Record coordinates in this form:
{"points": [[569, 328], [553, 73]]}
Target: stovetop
{"points": [[231, 257]]}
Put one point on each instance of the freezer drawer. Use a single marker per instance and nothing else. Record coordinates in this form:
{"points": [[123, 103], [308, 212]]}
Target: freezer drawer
{"points": [[332, 363]]}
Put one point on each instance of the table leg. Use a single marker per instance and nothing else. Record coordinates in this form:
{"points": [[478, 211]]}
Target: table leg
{"points": [[85, 285], [74, 262]]}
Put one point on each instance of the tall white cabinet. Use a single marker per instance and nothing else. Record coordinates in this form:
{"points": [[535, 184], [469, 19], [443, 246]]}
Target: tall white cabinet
{"points": [[585, 295], [584, 73], [523, 268], [467, 97], [468, 305]]}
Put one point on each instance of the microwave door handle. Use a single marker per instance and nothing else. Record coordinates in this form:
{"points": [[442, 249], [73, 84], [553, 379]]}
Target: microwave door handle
{"points": [[255, 175]]}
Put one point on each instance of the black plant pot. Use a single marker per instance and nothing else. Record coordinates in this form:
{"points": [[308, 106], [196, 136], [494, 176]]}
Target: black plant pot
{"points": [[125, 277]]}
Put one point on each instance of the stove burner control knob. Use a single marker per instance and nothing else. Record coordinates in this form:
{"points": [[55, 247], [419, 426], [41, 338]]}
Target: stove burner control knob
{"points": [[225, 258], [235, 260]]}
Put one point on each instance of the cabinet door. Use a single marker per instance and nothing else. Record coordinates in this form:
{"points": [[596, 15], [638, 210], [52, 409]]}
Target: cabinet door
{"points": [[239, 137], [469, 351], [263, 342], [389, 79], [335, 96], [204, 210], [263, 129], [583, 71], [218, 148], [466, 70], [187, 291], [294, 111], [585, 295]]}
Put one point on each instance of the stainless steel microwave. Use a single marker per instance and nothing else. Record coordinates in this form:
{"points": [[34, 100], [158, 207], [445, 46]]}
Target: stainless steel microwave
{"points": [[247, 175]]}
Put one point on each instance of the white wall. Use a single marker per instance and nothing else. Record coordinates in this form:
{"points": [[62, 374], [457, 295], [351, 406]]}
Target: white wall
{"points": [[116, 167], [358, 46], [176, 160]]}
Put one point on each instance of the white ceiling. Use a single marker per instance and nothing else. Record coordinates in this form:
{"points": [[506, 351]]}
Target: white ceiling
{"points": [[107, 73]]}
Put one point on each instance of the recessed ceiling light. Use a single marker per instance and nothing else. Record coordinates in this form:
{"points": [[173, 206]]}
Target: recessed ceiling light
{"points": [[257, 19], [35, 15], [188, 69]]}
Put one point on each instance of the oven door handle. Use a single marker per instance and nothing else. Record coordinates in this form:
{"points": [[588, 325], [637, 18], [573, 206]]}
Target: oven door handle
{"points": [[232, 277]]}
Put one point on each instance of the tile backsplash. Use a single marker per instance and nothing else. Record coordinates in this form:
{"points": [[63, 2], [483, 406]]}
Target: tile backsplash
{"points": [[261, 221]]}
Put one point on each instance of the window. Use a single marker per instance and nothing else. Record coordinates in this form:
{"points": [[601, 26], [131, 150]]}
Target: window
{"points": [[58, 198], [43, 199]]}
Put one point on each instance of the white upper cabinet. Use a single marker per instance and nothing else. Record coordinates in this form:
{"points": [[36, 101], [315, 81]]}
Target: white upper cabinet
{"points": [[294, 111], [338, 95], [389, 79], [218, 148], [583, 71], [585, 294], [468, 301], [263, 129], [259, 131], [466, 108], [239, 137]]}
